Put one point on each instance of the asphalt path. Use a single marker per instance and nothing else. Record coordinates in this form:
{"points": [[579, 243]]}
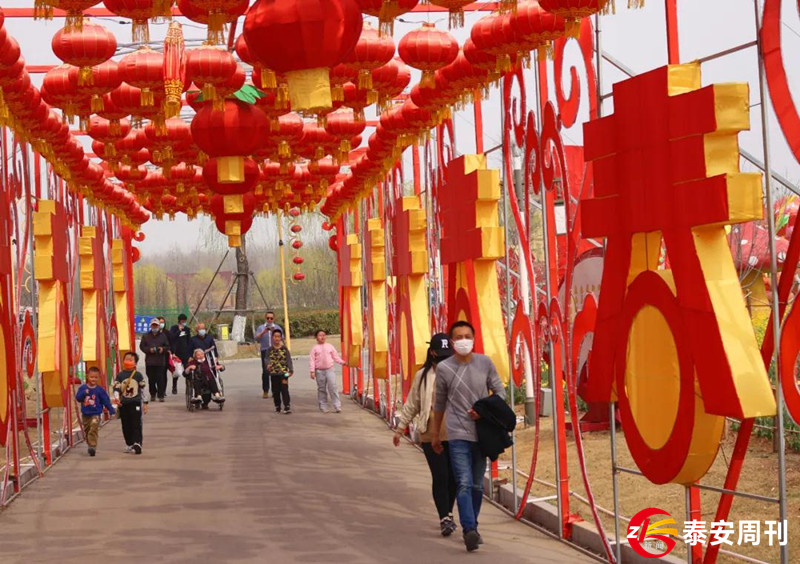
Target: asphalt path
{"points": [[246, 484]]}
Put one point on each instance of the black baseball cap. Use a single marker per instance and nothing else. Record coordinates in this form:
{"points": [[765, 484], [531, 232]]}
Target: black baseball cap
{"points": [[441, 345]]}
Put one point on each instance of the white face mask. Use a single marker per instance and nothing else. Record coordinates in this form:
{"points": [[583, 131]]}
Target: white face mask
{"points": [[464, 346], [202, 332]]}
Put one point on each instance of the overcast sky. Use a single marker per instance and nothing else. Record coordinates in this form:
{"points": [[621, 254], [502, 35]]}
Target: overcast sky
{"points": [[634, 37]]}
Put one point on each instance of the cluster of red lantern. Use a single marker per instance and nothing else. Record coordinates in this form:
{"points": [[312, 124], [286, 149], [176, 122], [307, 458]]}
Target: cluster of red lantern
{"points": [[497, 42], [248, 148], [294, 230], [25, 110]]}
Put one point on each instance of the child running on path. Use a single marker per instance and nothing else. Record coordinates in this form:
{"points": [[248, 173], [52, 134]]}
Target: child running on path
{"points": [[279, 365], [93, 399], [321, 360], [130, 391]]}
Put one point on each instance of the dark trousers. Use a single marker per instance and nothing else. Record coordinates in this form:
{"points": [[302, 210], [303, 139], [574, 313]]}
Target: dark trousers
{"points": [[200, 383], [131, 416], [157, 378], [264, 373], [280, 390], [444, 484]]}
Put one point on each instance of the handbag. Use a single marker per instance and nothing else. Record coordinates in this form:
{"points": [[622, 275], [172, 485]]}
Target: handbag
{"points": [[177, 367]]}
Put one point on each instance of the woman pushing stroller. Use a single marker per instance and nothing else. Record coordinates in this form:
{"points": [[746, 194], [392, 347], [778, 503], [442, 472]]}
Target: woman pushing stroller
{"points": [[204, 377]]}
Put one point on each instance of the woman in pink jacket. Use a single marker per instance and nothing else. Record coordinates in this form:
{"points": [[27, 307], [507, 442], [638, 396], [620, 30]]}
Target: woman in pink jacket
{"points": [[321, 361]]}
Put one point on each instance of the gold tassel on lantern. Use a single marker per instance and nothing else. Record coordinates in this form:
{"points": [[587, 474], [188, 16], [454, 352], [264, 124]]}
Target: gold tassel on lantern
{"points": [[389, 9], [268, 79], [284, 150], [428, 79], [456, 18], [73, 22], [85, 76], [216, 27], [42, 10], [140, 31], [337, 93], [364, 79], [146, 98], [97, 104]]}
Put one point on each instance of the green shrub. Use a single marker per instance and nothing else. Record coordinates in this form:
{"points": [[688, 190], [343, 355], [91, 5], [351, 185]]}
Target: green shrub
{"points": [[303, 323]]}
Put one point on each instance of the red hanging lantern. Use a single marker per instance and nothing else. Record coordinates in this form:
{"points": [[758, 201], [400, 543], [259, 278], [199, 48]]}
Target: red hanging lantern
{"points": [[390, 80], [428, 49], [60, 89], [495, 35], [215, 14], [371, 51], [340, 75], [139, 11], [344, 125], [209, 68], [534, 27], [456, 9], [230, 135], [144, 69], [234, 225], [162, 142], [574, 10], [232, 193], [105, 78], [73, 8], [386, 11], [289, 132], [84, 49], [303, 39]]}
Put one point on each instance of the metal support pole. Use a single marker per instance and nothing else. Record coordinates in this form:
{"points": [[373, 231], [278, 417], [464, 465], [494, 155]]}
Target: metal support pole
{"points": [[508, 189], [283, 282], [216, 272], [615, 480], [776, 319]]}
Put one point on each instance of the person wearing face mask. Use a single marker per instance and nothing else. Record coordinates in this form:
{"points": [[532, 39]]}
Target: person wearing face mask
{"points": [[203, 378], [461, 380], [203, 340], [419, 405], [155, 346], [131, 397], [180, 338]]}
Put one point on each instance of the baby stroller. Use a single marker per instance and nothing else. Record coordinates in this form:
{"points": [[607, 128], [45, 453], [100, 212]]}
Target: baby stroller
{"points": [[190, 376]]}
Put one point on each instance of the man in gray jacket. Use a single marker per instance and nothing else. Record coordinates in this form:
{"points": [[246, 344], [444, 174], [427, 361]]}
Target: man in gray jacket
{"points": [[461, 380]]}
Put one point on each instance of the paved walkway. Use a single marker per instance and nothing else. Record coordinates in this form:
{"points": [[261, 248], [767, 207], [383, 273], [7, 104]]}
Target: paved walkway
{"points": [[248, 485]]}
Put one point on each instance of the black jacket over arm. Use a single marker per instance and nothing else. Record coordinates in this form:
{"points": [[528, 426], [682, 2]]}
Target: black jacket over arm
{"points": [[495, 425]]}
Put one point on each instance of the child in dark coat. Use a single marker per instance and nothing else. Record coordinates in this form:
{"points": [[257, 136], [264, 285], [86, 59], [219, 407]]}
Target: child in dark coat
{"points": [[278, 363]]}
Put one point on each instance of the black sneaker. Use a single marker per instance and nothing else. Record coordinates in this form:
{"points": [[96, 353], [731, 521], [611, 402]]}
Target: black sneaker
{"points": [[480, 538], [161, 399], [471, 540], [174, 390], [205, 406], [91, 451], [277, 410], [447, 525], [137, 448], [287, 410]]}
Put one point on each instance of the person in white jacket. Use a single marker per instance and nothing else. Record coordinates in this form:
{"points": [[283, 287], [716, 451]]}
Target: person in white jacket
{"points": [[419, 405]]}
